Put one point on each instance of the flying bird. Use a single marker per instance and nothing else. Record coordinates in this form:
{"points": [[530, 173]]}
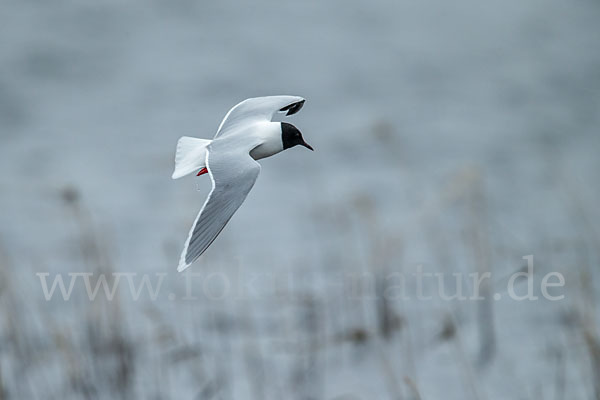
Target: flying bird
{"points": [[245, 135]]}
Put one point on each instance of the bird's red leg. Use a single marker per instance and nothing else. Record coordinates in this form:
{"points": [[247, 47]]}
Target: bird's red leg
{"points": [[202, 171]]}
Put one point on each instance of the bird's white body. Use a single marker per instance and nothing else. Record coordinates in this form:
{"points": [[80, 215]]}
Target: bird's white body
{"points": [[246, 134]]}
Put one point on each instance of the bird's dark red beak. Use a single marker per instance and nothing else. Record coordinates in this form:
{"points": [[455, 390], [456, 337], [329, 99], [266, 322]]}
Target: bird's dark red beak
{"points": [[308, 146]]}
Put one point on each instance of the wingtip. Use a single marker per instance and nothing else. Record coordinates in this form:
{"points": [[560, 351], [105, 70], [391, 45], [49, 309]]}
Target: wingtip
{"points": [[182, 264], [182, 267]]}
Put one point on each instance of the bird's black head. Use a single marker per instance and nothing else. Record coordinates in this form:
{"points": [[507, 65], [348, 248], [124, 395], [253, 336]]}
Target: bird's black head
{"points": [[291, 136]]}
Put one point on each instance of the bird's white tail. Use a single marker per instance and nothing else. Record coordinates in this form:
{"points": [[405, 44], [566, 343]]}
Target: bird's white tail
{"points": [[190, 156]]}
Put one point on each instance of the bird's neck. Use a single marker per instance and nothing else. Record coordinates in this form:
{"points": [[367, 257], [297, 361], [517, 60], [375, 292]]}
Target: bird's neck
{"points": [[270, 140]]}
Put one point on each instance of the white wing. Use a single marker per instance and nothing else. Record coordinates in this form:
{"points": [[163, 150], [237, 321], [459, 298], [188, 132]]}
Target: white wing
{"points": [[257, 109], [232, 174]]}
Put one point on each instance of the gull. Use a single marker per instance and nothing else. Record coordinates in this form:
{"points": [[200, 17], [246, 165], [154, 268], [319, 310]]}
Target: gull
{"points": [[246, 134]]}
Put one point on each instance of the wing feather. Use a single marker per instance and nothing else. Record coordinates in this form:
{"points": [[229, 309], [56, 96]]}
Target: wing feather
{"points": [[232, 176], [257, 109]]}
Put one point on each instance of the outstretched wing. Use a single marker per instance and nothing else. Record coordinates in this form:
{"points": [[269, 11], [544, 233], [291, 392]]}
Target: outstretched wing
{"points": [[232, 175], [257, 109]]}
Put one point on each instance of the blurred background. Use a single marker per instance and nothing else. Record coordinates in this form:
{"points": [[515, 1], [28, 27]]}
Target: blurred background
{"points": [[450, 137]]}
